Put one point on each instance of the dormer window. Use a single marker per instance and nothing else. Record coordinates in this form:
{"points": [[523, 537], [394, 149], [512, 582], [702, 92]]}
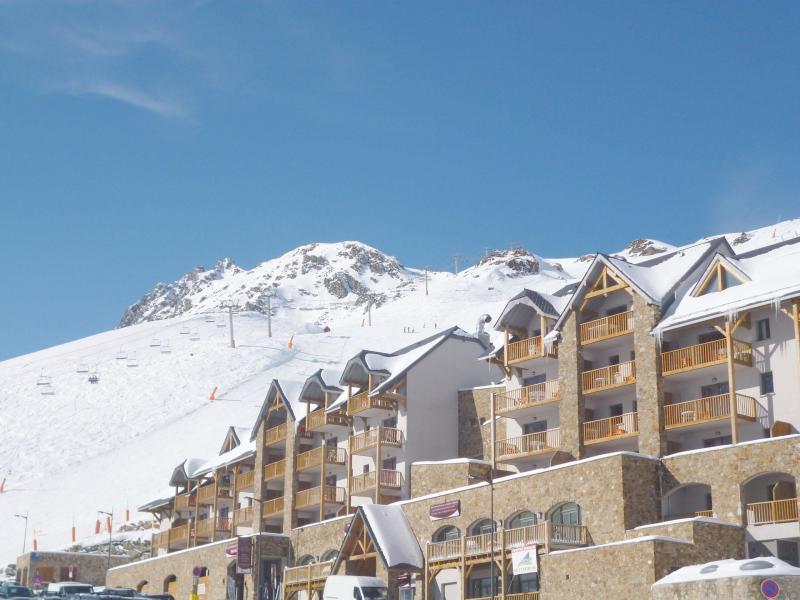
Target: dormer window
{"points": [[719, 277]]}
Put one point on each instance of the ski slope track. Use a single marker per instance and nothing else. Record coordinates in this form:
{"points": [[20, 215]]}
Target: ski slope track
{"points": [[71, 447]]}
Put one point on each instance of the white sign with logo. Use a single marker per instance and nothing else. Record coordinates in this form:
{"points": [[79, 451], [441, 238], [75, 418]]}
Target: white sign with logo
{"points": [[525, 559]]}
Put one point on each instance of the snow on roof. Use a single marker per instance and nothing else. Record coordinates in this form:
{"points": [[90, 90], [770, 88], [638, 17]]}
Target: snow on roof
{"points": [[687, 520], [526, 301], [392, 535], [767, 566], [241, 452], [638, 540], [163, 499], [184, 471], [288, 389], [774, 275]]}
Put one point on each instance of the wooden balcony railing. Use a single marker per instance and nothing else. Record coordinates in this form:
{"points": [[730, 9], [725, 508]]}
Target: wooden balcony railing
{"points": [[312, 496], [313, 458], [206, 494], [607, 327], [243, 516], [275, 470], [389, 436], [774, 511], [703, 410], [704, 355], [478, 545], [532, 395], [307, 573], [179, 534], [245, 480], [363, 401], [527, 445], [367, 481], [704, 513], [160, 539], [206, 528], [275, 435], [185, 501], [608, 377], [319, 418], [611, 428], [273, 507], [528, 349]]}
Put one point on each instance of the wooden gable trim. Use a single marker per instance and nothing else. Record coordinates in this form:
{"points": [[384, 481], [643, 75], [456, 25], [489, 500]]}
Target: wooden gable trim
{"points": [[715, 271]]}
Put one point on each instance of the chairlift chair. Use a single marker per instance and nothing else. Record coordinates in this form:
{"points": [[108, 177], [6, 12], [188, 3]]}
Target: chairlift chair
{"points": [[132, 362], [195, 336], [209, 319], [82, 368], [220, 322], [165, 348], [184, 330], [48, 391], [122, 354], [43, 379], [155, 343]]}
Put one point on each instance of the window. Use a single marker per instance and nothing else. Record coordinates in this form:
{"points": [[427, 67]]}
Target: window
{"points": [[718, 278], [407, 593], [767, 385], [711, 336], [482, 587], [534, 379], [613, 359], [535, 427], [714, 389], [332, 441], [330, 480], [482, 527], [762, 330], [722, 440], [524, 519], [615, 410], [447, 533], [390, 464], [616, 310], [391, 422], [568, 513]]}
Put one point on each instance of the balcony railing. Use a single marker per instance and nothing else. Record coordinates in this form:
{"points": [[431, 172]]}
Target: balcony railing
{"points": [[245, 480], [275, 470], [612, 428], [312, 496], [705, 355], [184, 501], [367, 481], [532, 395], [530, 444], [313, 458], [319, 418], [160, 539], [205, 528], [704, 410], [206, 494], [243, 516], [178, 535], [528, 349], [276, 434], [307, 573], [273, 507], [369, 439], [774, 511], [607, 327], [606, 378], [479, 545], [363, 401]]}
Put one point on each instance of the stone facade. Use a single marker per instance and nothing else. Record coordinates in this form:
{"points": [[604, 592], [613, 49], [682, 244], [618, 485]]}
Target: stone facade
{"points": [[53, 567], [740, 588], [572, 405], [474, 422], [649, 390]]}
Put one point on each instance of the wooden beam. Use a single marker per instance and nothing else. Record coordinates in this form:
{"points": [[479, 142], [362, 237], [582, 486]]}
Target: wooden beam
{"points": [[731, 381], [505, 346]]}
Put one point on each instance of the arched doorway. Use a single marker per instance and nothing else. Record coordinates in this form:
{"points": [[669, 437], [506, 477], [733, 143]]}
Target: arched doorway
{"points": [[566, 513], [685, 501]]}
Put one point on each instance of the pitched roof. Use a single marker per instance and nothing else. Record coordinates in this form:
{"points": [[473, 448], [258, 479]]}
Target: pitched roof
{"points": [[521, 305], [289, 390]]}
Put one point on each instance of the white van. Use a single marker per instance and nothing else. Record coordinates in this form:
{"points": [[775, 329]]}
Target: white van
{"points": [[354, 587], [65, 588]]}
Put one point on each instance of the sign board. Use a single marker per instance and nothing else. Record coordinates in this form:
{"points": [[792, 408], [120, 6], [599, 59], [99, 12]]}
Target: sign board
{"points": [[231, 550], [525, 559], [244, 554], [445, 510], [770, 588]]}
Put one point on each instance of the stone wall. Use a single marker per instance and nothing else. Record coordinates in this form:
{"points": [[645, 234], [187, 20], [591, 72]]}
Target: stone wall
{"points": [[155, 571], [474, 422], [431, 478], [571, 406], [740, 588], [649, 390], [318, 539], [87, 568]]}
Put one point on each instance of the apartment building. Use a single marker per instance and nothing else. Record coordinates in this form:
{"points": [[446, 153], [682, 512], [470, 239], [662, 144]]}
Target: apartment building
{"points": [[647, 418]]}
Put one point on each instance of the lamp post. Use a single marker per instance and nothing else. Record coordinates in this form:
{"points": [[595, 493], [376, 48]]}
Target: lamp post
{"points": [[24, 535], [110, 516]]}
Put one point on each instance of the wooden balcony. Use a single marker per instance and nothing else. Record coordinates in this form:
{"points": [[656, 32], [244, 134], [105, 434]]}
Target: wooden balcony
{"points": [[245, 481], [273, 507], [179, 536], [319, 420], [363, 404], [706, 410], [390, 480], [531, 444], [478, 548], [313, 496], [312, 459], [528, 349], [512, 401], [160, 540], [185, 501], [208, 528], [243, 516], [771, 512], [276, 435], [606, 328], [275, 470], [704, 513], [612, 428], [301, 578], [705, 355], [206, 494], [610, 377], [363, 442]]}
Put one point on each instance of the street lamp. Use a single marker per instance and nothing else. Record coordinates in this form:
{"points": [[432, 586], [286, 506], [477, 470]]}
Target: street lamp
{"points": [[487, 474], [110, 516], [24, 535]]}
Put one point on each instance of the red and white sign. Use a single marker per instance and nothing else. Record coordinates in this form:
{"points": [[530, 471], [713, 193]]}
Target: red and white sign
{"points": [[445, 510]]}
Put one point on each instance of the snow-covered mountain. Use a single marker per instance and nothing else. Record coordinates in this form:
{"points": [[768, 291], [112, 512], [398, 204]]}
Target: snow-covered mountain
{"points": [[72, 447]]}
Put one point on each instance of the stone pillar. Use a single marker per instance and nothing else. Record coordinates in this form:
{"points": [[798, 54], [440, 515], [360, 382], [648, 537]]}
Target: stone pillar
{"points": [[570, 365], [649, 388], [258, 479], [290, 478]]}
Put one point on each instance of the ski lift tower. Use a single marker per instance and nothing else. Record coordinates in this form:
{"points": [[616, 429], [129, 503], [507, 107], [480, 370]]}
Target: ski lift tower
{"points": [[231, 308]]}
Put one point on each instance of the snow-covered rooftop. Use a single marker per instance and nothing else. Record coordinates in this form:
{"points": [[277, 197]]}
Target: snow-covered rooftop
{"points": [[767, 566], [393, 535]]}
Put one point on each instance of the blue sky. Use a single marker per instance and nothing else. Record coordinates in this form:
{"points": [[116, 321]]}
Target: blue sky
{"points": [[141, 138]]}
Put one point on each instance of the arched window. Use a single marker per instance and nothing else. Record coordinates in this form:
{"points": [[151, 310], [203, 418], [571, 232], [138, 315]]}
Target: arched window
{"points": [[567, 513], [329, 556], [305, 560], [524, 518], [482, 527], [450, 532]]}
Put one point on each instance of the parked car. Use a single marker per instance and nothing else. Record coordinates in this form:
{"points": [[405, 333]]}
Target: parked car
{"points": [[121, 592], [155, 597], [67, 588], [12, 590]]}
